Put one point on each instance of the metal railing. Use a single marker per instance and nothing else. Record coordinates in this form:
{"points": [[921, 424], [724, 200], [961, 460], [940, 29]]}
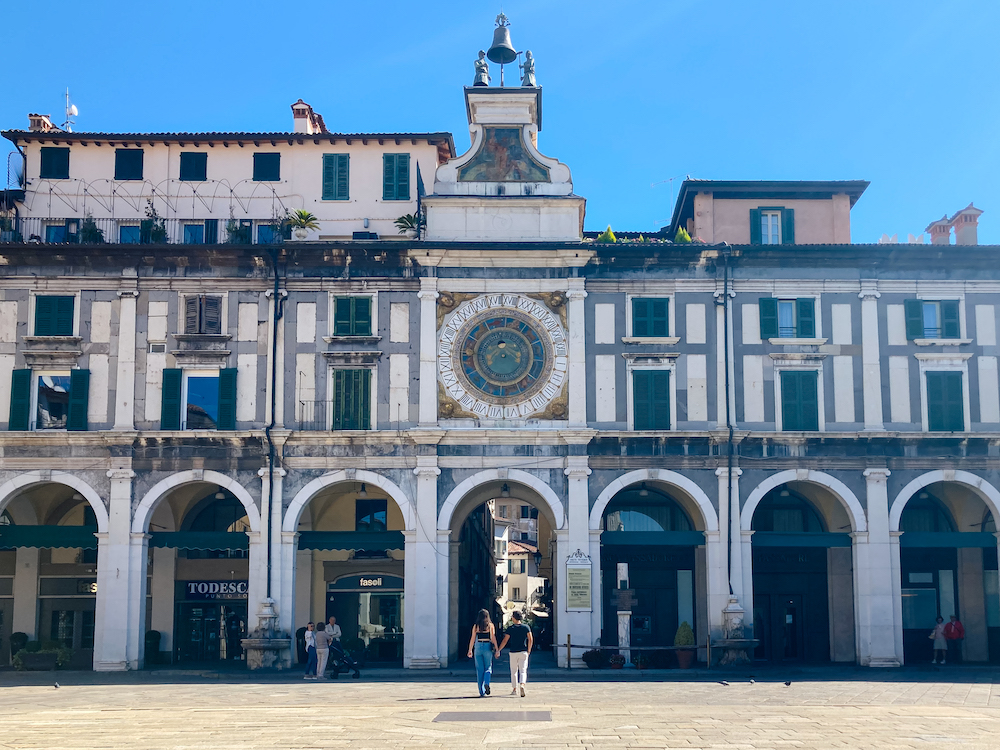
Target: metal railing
{"points": [[63, 231], [319, 416]]}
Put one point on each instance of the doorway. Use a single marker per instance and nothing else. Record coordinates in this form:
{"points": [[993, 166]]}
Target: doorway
{"points": [[779, 624], [791, 604], [210, 632]]}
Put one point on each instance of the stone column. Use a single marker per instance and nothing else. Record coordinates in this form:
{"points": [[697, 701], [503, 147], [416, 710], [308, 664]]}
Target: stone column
{"points": [[577, 340], [162, 595], [287, 563], [279, 353], [125, 381], [746, 563], [120, 617], [420, 636], [873, 589], [270, 521], [443, 556], [871, 363], [597, 615], [25, 619], [138, 556], [428, 409], [575, 540], [897, 594]]}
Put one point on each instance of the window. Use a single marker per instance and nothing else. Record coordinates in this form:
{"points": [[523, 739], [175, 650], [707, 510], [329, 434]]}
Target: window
{"points": [[225, 515], [395, 177], [272, 234], [205, 398], [130, 235], [55, 163], [515, 594], [503, 511], [5, 519], [128, 163], [49, 400], [351, 407], [785, 511], [55, 233], [787, 318], [194, 234], [645, 509], [925, 513], [336, 177], [515, 566], [266, 167], [799, 400], [54, 315], [945, 402], [194, 166], [370, 514], [525, 511], [52, 400], [352, 316], [651, 399], [650, 317], [772, 225], [932, 319], [203, 314]]}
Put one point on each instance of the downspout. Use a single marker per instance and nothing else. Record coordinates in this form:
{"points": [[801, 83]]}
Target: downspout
{"points": [[271, 453], [726, 251]]}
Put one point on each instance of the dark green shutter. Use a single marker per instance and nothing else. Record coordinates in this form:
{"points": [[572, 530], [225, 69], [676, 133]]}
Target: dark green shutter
{"points": [[650, 317], [640, 317], [211, 231], [193, 166], [227, 399], [805, 318], [395, 177], [755, 238], [799, 401], [211, 315], [54, 163], [945, 403], [362, 325], [79, 391], [788, 226], [914, 309], [336, 180], [191, 316], [342, 315], [651, 399], [659, 311], [45, 316], [351, 400], [402, 177], [20, 400], [343, 177], [64, 316], [388, 177], [950, 328], [768, 318], [128, 163], [170, 409]]}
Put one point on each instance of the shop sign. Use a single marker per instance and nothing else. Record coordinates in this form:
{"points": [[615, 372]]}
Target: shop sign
{"points": [[215, 589], [578, 577], [83, 586], [370, 582]]}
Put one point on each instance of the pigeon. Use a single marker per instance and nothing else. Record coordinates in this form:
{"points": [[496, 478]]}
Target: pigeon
{"points": [[57, 686], [788, 684], [753, 681], [723, 682]]}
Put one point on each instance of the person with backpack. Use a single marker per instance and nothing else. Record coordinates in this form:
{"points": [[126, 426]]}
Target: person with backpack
{"points": [[520, 639]]}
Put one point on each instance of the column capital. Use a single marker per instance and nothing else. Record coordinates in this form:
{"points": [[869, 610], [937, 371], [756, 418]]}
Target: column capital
{"points": [[577, 472], [262, 472], [427, 471], [139, 537], [282, 293], [427, 294], [877, 474], [576, 294], [869, 290], [723, 470], [859, 537], [120, 474]]}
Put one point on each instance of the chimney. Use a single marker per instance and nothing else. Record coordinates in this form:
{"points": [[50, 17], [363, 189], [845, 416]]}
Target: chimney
{"points": [[966, 224], [40, 123], [940, 231], [306, 121]]}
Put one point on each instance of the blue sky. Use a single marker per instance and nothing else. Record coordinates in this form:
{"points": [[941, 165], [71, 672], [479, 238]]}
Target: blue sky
{"points": [[636, 92]]}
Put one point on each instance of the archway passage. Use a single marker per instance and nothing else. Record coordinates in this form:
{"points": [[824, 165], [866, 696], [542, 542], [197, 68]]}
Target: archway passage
{"points": [[48, 569], [948, 566], [803, 591], [653, 570]]}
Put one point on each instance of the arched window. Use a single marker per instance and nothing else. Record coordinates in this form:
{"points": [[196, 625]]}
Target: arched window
{"points": [[645, 509], [786, 511], [218, 514], [925, 513]]}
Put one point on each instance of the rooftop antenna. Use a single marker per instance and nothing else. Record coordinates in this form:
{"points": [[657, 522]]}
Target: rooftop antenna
{"points": [[71, 112]]}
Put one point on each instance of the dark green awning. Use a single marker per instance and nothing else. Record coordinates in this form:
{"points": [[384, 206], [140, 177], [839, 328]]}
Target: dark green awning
{"points": [[13, 536], [346, 540], [646, 538], [205, 540], [963, 539], [800, 539]]}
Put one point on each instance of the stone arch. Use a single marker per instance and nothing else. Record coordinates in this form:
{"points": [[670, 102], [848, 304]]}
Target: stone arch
{"points": [[983, 489], [840, 490], [145, 509], [8, 488], [466, 486], [307, 493], [671, 478]]}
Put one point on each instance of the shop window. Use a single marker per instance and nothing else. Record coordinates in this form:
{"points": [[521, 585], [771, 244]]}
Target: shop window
{"points": [[202, 314], [651, 399], [336, 177], [351, 407], [220, 512], [650, 317], [194, 166], [787, 318], [925, 513], [370, 514], [932, 319], [642, 509], [49, 400], [266, 167], [54, 315], [206, 399], [54, 163], [785, 511], [352, 316], [945, 402], [772, 225], [395, 177], [799, 400], [128, 163]]}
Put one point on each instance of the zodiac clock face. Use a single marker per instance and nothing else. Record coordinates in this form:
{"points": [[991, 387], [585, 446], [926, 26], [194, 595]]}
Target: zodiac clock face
{"points": [[502, 356]]}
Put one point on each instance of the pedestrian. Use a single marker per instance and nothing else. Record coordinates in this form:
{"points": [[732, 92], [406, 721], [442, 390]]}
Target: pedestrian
{"points": [[954, 633], [322, 652], [333, 633], [519, 637], [310, 651], [940, 643], [482, 647]]}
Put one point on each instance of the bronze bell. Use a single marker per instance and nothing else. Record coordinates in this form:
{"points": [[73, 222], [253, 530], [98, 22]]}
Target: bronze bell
{"points": [[502, 51]]}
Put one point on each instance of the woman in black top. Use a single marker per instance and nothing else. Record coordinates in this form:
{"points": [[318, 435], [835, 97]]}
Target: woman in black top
{"points": [[482, 647]]}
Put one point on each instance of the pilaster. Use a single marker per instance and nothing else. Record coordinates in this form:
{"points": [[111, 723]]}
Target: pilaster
{"points": [[870, 360], [423, 616], [120, 616], [257, 585], [577, 354], [875, 622], [125, 380], [575, 541], [428, 407]]}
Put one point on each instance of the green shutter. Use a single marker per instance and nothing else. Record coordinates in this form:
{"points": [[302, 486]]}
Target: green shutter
{"points": [[191, 314], [950, 328], [388, 177], [755, 238], [805, 318], [945, 404], [650, 317], [342, 315], [351, 400], [640, 317], [789, 401], [64, 316], [402, 177], [914, 310], [343, 177], [45, 316], [768, 317], [362, 325], [799, 401], [809, 403], [336, 178], [788, 226], [20, 400], [54, 163], [211, 315], [227, 399], [651, 399], [211, 231], [170, 409], [79, 391], [954, 403], [659, 311]]}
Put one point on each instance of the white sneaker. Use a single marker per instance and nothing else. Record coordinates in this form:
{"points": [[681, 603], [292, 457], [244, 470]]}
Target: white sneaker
{"points": [[514, 691], [522, 691]]}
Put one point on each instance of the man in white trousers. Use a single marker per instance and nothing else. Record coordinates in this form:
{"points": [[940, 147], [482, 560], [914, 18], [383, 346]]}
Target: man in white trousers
{"points": [[519, 637]]}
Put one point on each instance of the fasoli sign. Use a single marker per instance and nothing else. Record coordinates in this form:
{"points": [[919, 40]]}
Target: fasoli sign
{"points": [[215, 589]]}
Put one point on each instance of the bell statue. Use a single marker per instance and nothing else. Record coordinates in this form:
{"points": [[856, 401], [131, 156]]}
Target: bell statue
{"points": [[528, 71], [482, 71]]}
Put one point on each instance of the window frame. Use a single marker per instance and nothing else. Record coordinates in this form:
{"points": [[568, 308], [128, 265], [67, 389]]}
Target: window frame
{"points": [[119, 168], [924, 340], [793, 366], [816, 339], [668, 364], [630, 335], [372, 396], [62, 174], [223, 317], [931, 362], [200, 372], [336, 161], [394, 155], [371, 501], [786, 225], [202, 166], [332, 316], [776, 215], [36, 376], [259, 171], [32, 304]]}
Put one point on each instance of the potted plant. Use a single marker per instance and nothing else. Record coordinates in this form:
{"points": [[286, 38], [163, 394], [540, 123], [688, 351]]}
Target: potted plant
{"points": [[152, 229], [616, 661], [684, 640], [91, 233], [595, 659], [36, 658], [301, 221], [607, 236], [410, 224], [17, 642]]}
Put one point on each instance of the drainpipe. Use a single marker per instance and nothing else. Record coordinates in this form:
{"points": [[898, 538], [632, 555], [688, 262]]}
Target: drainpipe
{"points": [[278, 311], [726, 252]]}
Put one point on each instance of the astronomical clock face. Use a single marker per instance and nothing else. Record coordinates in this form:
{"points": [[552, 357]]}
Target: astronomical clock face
{"points": [[502, 356]]}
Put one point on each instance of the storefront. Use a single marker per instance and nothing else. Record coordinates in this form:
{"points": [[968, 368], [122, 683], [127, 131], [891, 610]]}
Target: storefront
{"points": [[211, 621], [369, 607]]}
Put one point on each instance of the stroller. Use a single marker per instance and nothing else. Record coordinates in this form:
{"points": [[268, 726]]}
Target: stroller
{"points": [[341, 662]]}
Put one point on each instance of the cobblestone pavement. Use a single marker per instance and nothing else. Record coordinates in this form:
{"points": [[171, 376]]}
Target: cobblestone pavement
{"points": [[200, 713]]}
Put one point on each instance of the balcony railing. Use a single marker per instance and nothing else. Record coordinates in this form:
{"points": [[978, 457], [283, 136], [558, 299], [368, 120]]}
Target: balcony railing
{"points": [[63, 231], [320, 415]]}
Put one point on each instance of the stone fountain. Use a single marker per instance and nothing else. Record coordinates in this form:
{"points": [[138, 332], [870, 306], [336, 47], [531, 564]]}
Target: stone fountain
{"points": [[265, 644], [736, 647]]}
